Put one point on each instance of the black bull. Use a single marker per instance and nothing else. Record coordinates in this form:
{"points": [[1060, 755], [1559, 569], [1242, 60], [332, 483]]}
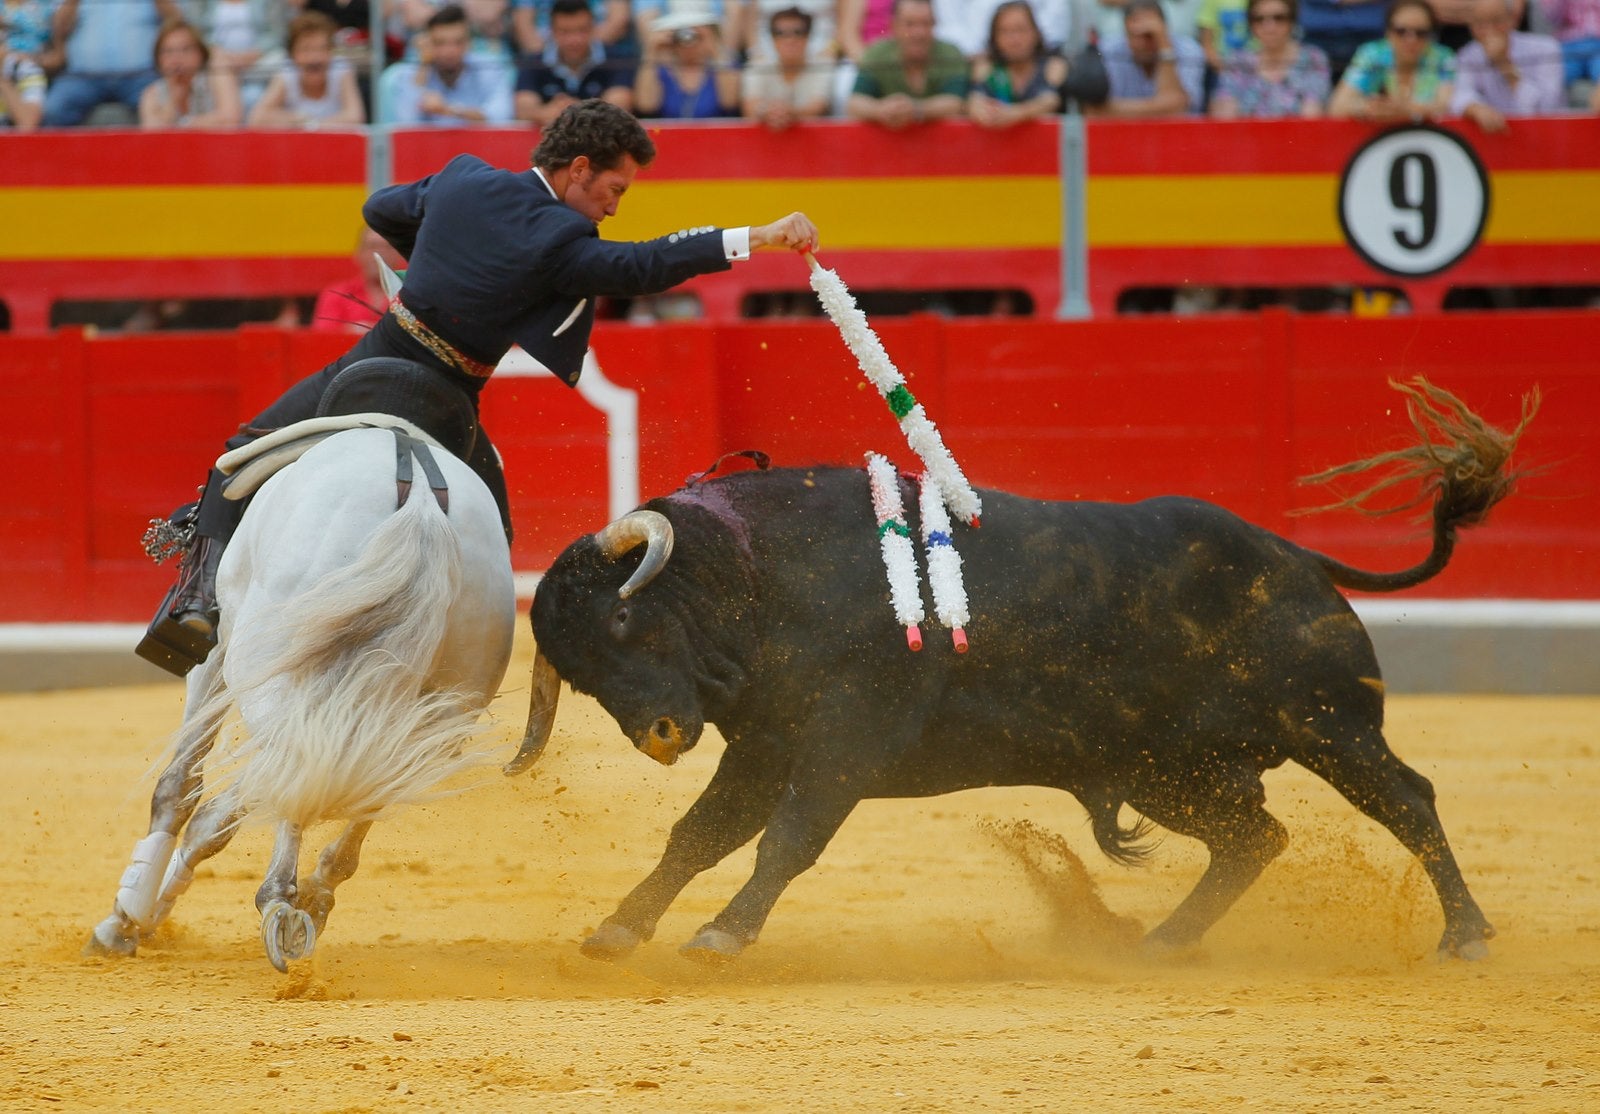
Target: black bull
{"points": [[1159, 655]]}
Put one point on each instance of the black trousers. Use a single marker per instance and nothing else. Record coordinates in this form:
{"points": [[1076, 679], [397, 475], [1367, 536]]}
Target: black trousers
{"points": [[219, 517]]}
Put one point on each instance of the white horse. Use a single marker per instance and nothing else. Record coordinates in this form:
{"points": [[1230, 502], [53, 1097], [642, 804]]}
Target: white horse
{"points": [[358, 645]]}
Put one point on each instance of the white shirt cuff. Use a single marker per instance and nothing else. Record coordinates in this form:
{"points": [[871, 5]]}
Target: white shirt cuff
{"points": [[736, 243]]}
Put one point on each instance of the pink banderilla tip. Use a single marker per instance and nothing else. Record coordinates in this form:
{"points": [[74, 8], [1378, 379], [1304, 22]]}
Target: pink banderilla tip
{"points": [[959, 637], [914, 637]]}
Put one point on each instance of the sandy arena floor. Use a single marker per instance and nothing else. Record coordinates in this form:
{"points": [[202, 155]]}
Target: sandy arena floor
{"points": [[944, 955]]}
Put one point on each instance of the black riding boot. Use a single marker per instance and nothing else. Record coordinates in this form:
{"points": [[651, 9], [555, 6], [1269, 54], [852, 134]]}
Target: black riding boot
{"points": [[185, 627]]}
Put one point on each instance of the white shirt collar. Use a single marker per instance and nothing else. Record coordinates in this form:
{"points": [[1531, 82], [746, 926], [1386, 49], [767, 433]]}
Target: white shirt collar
{"points": [[540, 174]]}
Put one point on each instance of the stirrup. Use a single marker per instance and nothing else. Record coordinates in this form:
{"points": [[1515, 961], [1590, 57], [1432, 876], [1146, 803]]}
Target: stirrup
{"points": [[175, 646]]}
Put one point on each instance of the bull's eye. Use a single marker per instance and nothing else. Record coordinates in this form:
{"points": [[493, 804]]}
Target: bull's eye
{"points": [[619, 620]]}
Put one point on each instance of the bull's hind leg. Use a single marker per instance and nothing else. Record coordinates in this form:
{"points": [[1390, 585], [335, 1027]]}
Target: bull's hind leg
{"points": [[176, 796], [1228, 815], [337, 864], [1372, 778], [287, 932]]}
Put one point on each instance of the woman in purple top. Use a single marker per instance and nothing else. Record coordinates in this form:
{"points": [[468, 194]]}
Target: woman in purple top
{"points": [[1280, 77]]}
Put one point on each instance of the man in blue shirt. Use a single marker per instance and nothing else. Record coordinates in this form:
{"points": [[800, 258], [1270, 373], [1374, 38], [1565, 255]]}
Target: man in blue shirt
{"points": [[110, 48], [495, 258], [451, 87], [1152, 73], [1339, 27], [572, 67]]}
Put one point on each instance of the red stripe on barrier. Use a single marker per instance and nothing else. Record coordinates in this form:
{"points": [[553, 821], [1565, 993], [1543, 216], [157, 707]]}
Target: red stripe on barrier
{"points": [[92, 157], [734, 151]]}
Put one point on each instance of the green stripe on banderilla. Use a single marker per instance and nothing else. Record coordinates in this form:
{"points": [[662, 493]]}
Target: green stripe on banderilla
{"points": [[891, 526], [901, 402]]}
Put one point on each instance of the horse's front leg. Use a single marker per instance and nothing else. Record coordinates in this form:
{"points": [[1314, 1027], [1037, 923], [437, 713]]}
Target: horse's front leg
{"points": [[207, 834], [176, 795], [338, 862], [286, 931]]}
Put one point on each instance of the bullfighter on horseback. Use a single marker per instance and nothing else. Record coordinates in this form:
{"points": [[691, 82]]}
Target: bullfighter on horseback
{"points": [[495, 258]]}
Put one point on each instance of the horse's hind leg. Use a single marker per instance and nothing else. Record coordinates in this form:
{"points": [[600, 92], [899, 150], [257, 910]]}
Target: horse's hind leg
{"points": [[337, 864], [286, 932], [1372, 778], [176, 795]]}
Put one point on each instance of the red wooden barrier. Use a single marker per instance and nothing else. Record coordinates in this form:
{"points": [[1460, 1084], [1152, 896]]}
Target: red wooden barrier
{"points": [[106, 432]]}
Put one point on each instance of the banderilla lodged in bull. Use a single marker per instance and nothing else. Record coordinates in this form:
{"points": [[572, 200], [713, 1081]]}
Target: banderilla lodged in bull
{"points": [[1157, 655]]}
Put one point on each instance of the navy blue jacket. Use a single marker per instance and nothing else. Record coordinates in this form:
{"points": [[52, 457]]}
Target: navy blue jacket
{"points": [[494, 260]]}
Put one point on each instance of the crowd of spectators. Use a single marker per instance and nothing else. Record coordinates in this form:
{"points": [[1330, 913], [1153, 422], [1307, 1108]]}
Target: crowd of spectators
{"points": [[307, 63]]}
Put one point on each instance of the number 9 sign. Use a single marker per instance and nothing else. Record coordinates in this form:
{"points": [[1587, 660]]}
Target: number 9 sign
{"points": [[1413, 201]]}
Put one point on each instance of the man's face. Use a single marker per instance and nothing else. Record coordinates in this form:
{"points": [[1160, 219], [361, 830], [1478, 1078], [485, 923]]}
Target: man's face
{"points": [[597, 194], [1145, 33], [573, 34], [913, 30], [449, 42]]}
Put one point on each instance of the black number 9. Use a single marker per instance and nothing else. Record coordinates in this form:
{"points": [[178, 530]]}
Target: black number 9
{"points": [[1418, 192]]}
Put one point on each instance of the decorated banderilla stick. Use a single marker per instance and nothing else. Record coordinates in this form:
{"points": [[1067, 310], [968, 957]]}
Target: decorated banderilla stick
{"points": [[894, 537], [920, 432]]}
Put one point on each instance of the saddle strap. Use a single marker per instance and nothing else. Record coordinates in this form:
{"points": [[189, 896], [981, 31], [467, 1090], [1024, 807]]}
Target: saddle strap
{"points": [[406, 448]]}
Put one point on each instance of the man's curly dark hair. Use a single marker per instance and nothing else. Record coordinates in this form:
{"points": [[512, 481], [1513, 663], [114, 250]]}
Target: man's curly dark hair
{"points": [[598, 129]]}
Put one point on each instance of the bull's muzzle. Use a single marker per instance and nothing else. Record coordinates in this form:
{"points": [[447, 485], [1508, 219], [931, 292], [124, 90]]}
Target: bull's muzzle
{"points": [[663, 742]]}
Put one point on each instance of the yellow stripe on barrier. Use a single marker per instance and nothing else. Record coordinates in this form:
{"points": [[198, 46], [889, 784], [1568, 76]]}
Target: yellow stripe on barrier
{"points": [[1544, 207], [180, 222], [1213, 210], [1301, 210], [926, 214]]}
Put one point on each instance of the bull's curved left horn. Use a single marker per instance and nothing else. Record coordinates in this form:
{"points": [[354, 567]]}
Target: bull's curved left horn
{"points": [[649, 528], [541, 715]]}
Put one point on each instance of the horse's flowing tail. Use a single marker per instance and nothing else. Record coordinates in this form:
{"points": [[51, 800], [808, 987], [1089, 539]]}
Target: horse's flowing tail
{"points": [[338, 717], [1460, 463]]}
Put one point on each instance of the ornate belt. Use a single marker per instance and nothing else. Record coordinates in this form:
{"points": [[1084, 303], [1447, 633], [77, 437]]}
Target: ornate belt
{"points": [[436, 344]]}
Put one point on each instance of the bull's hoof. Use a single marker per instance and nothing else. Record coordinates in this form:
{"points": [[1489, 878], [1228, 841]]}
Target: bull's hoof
{"points": [[108, 939], [713, 947], [1468, 941], [611, 941], [1156, 948]]}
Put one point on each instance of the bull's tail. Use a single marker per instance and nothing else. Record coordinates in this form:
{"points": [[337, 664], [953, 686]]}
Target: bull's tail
{"points": [[1462, 462], [1131, 845], [340, 719]]}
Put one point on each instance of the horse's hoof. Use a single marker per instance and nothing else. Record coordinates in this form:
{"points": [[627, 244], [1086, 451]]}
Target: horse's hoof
{"points": [[610, 941], [288, 934], [108, 939], [713, 947]]}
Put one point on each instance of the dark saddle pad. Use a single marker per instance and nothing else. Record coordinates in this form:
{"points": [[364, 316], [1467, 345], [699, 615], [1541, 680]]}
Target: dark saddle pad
{"points": [[390, 385]]}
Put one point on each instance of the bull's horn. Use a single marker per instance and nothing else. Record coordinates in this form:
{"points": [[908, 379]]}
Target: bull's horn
{"points": [[541, 715], [648, 527]]}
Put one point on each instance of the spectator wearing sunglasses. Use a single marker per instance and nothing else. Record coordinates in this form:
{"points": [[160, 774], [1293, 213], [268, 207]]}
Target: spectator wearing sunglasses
{"points": [[1406, 75], [1276, 77]]}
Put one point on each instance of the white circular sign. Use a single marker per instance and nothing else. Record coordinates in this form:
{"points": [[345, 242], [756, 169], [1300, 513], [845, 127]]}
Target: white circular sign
{"points": [[1413, 201]]}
